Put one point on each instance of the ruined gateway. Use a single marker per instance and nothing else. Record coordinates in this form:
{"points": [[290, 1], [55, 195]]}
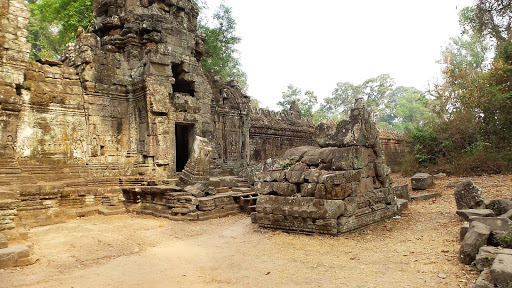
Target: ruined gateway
{"points": [[126, 120]]}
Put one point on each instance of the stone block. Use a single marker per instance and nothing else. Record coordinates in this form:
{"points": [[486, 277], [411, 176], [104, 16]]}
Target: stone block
{"points": [[468, 195], [312, 176], [4, 243], [421, 181], [475, 238], [499, 206], [214, 182], [497, 224], [7, 195], [350, 206], [308, 189], [463, 230], [501, 271], [487, 254], [317, 157], [295, 177], [206, 204], [347, 158], [402, 191], [465, 214], [337, 191], [423, 197], [295, 154], [286, 189], [8, 258], [402, 204], [483, 279]]}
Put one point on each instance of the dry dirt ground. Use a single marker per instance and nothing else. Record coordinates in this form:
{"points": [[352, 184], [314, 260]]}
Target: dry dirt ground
{"points": [[419, 249]]}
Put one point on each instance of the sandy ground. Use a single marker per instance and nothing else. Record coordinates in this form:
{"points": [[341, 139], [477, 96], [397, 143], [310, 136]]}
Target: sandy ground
{"points": [[419, 249]]}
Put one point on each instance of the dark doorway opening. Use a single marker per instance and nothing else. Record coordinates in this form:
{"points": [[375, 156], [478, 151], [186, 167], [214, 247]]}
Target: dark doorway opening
{"points": [[180, 84], [184, 140]]}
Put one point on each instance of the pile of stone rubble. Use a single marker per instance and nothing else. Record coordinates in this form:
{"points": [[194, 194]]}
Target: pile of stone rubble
{"points": [[339, 187], [486, 235]]}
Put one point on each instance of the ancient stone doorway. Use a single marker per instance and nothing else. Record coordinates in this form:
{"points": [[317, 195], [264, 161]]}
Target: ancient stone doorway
{"points": [[184, 133]]}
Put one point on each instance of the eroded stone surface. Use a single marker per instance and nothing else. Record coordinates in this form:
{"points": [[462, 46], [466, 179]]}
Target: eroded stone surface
{"points": [[468, 195], [421, 181], [475, 238], [347, 177]]}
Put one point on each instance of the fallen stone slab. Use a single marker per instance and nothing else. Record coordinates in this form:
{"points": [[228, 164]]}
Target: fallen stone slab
{"points": [[483, 279], [468, 195], [421, 181], [501, 271], [487, 254], [499, 206], [476, 237], [497, 224], [426, 196], [466, 213]]}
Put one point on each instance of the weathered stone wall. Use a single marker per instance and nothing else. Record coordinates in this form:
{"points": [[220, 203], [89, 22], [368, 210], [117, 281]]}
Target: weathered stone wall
{"points": [[394, 147], [272, 133], [230, 110], [14, 51]]}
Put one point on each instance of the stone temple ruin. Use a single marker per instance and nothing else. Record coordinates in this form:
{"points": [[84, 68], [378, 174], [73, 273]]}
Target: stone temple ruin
{"points": [[129, 121], [339, 187]]}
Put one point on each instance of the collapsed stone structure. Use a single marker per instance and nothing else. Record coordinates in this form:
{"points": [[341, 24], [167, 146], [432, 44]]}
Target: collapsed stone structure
{"points": [[342, 186], [486, 235]]}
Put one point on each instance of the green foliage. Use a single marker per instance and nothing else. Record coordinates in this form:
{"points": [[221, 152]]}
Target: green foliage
{"points": [[425, 144], [400, 109], [337, 107], [221, 55], [305, 102], [376, 91], [472, 122], [412, 110], [53, 24]]}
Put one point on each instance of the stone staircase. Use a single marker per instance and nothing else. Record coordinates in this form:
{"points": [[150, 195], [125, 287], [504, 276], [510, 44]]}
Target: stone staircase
{"points": [[242, 192]]}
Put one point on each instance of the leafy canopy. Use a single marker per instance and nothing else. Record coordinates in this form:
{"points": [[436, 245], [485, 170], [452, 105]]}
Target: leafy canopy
{"points": [[305, 102], [221, 56], [53, 24]]}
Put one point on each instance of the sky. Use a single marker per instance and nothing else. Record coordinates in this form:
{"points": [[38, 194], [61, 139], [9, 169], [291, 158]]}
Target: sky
{"points": [[315, 44]]}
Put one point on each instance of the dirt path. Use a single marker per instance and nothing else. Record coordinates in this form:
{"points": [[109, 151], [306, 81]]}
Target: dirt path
{"points": [[417, 250]]}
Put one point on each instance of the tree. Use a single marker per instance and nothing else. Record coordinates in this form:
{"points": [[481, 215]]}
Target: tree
{"points": [[376, 92], [412, 110], [53, 24], [221, 55], [337, 107], [493, 18], [306, 102], [473, 101]]}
